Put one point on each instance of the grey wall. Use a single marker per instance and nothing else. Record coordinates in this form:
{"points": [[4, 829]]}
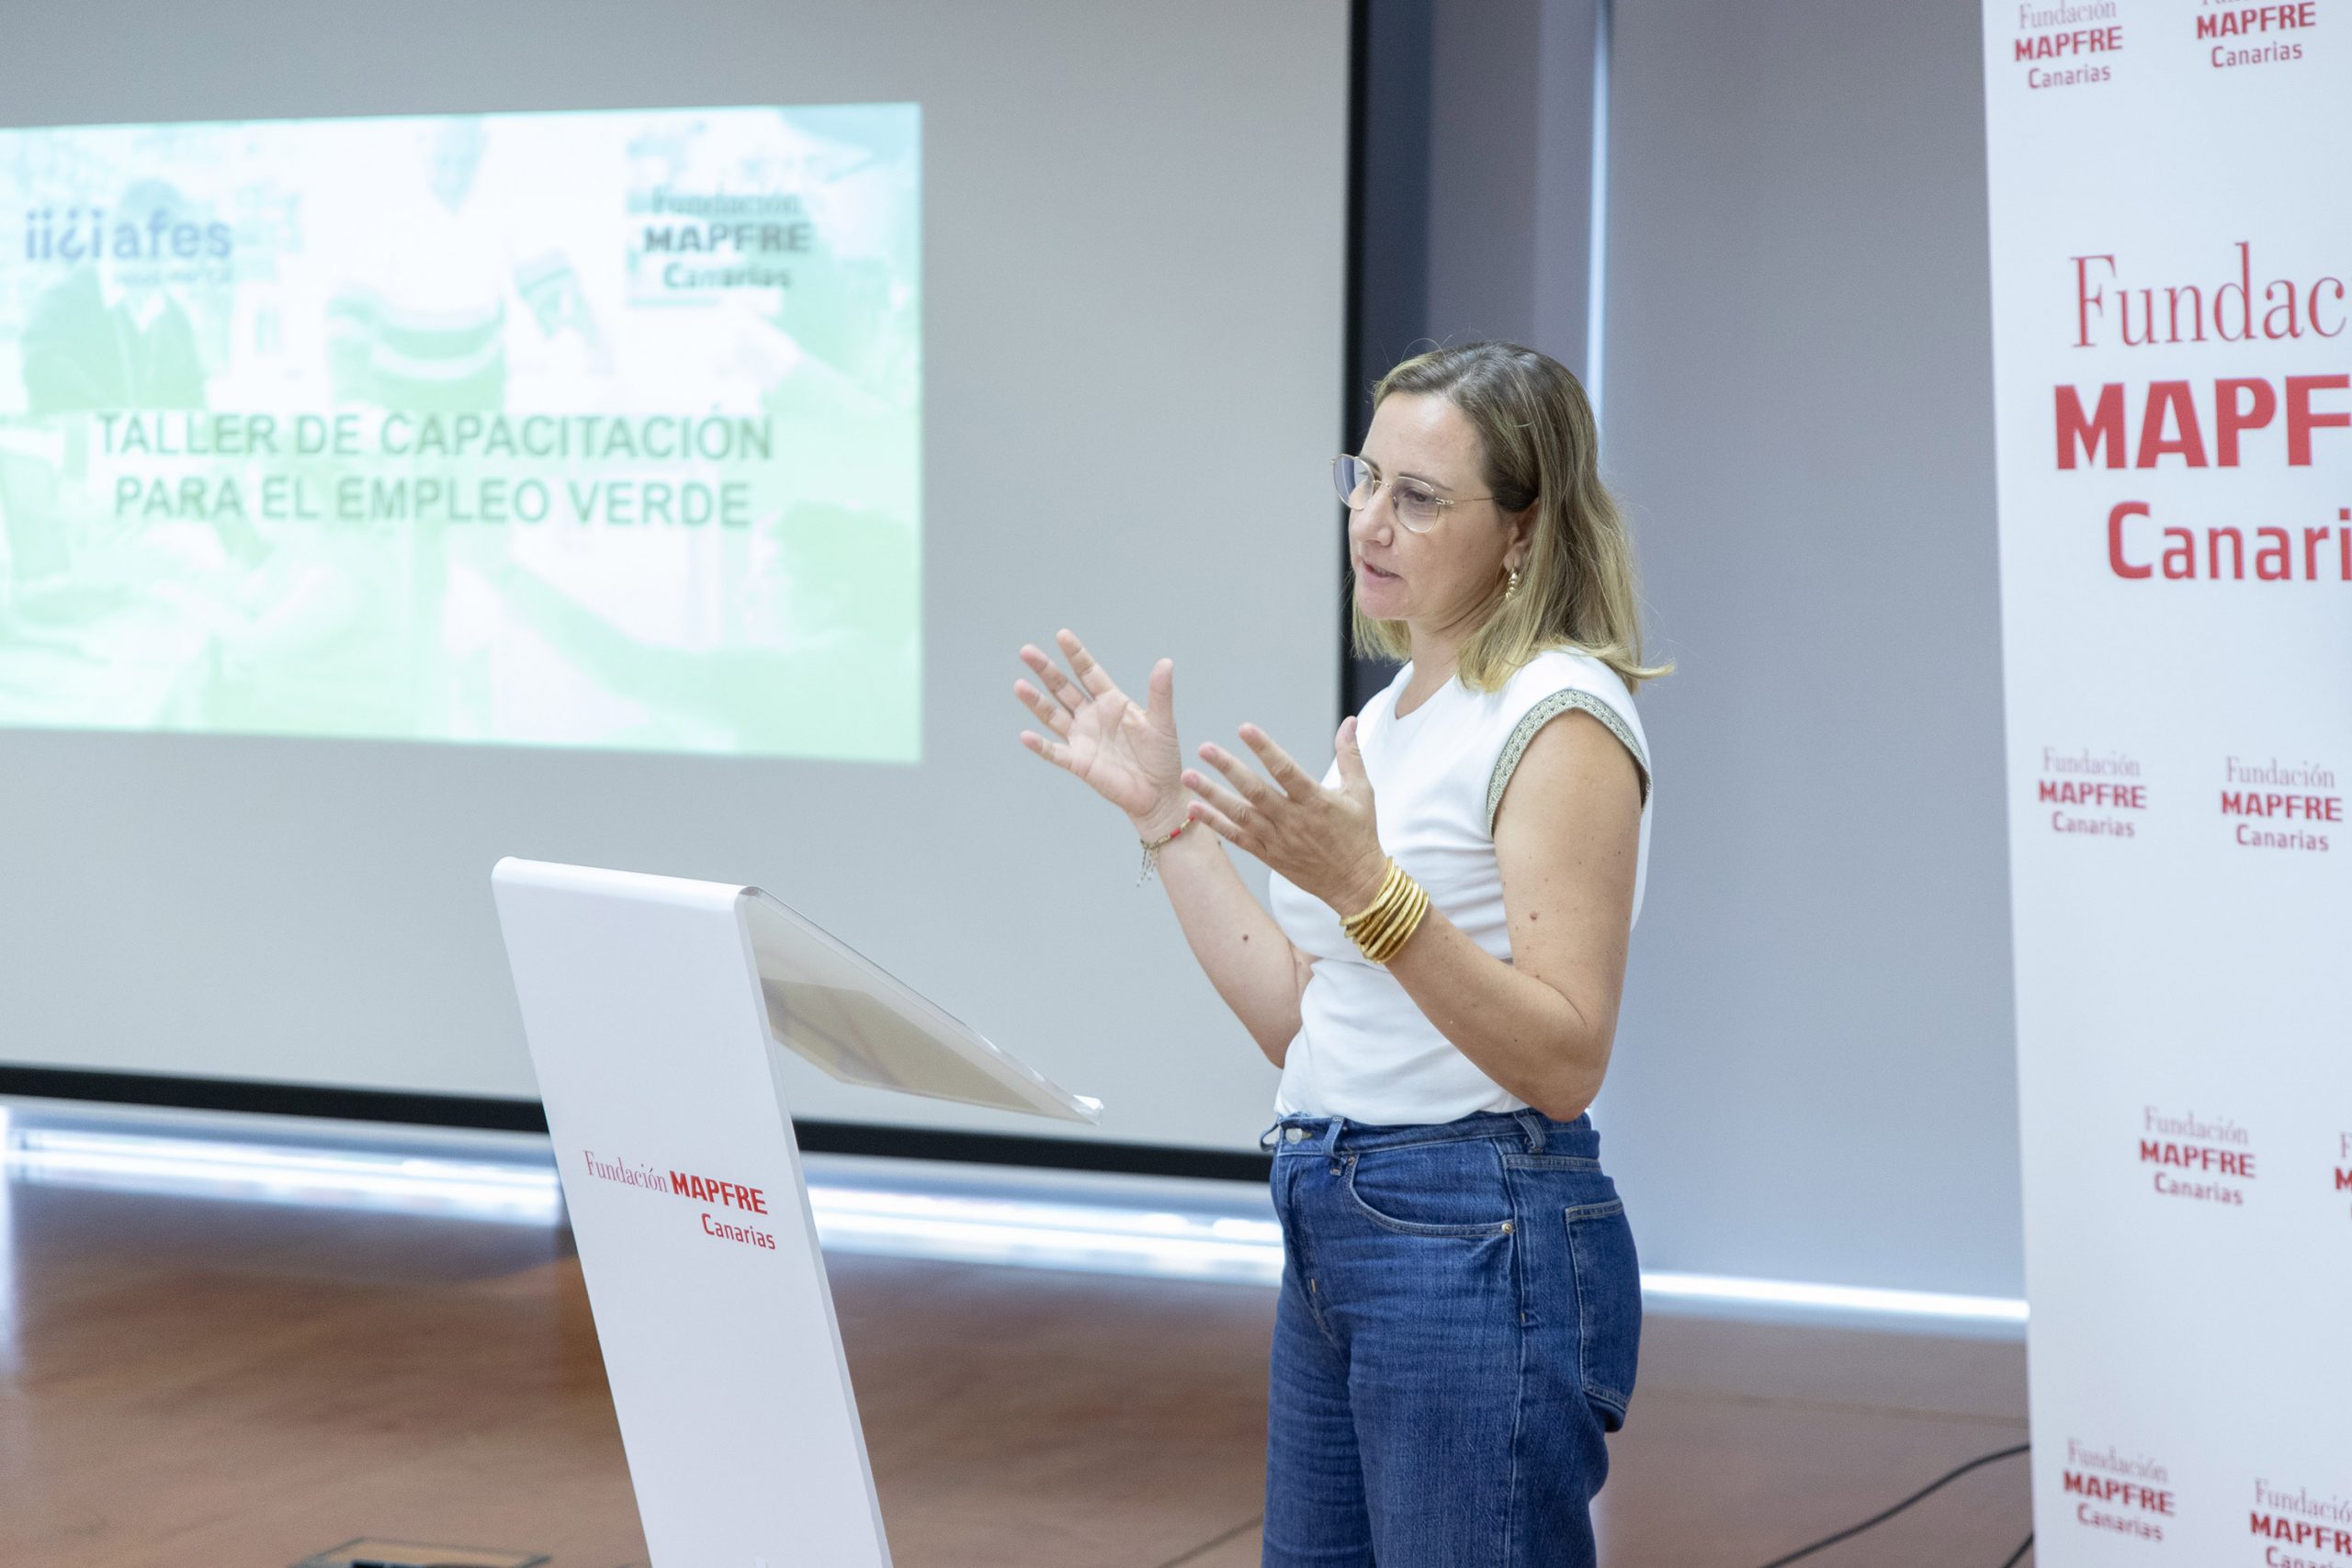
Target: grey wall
{"points": [[1477, 152], [1514, 142], [1477, 165], [1814, 1077]]}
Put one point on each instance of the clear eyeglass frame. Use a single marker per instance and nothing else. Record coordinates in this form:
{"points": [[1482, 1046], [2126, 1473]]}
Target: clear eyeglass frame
{"points": [[1416, 506]]}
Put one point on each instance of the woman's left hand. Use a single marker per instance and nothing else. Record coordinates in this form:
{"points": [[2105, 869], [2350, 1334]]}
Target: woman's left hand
{"points": [[1325, 840]]}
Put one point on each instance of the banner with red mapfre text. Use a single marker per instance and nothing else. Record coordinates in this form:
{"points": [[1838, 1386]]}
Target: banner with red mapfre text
{"points": [[2172, 315]]}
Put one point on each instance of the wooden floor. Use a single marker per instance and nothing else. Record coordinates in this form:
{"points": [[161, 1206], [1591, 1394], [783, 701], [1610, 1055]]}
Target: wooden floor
{"points": [[195, 1383]]}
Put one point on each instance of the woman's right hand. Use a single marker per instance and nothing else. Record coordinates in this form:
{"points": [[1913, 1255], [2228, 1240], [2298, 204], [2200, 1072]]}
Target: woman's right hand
{"points": [[1125, 753]]}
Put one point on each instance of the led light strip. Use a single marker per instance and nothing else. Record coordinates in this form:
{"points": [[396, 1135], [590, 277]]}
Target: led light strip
{"points": [[1596, 263], [271, 1173], [894, 1220], [1831, 1298], [1097, 1238]]}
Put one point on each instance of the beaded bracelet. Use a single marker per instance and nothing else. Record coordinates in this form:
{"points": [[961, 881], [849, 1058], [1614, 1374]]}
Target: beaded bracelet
{"points": [[1151, 852]]}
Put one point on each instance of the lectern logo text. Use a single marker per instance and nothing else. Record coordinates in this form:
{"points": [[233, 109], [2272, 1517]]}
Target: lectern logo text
{"points": [[709, 1192]]}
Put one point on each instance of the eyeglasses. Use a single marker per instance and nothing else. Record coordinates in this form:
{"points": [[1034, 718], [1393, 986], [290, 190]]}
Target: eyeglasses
{"points": [[1418, 507]]}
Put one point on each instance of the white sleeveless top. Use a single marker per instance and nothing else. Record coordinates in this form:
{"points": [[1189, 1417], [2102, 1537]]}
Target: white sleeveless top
{"points": [[1363, 1049]]}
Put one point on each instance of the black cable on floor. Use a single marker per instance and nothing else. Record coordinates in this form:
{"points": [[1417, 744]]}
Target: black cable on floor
{"points": [[1876, 1519], [1193, 1553], [2019, 1555]]}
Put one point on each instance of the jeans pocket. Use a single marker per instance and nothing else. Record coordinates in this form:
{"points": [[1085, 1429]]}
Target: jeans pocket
{"points": [[1434, 1190], [1609, 1305]]}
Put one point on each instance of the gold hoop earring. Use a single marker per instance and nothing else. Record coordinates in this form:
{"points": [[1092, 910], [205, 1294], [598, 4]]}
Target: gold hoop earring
{"points": [[1512, 586]]}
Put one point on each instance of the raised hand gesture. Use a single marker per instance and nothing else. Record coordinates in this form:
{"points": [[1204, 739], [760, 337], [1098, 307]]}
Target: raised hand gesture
{"points": [[1325, 840], [1125, 753]]}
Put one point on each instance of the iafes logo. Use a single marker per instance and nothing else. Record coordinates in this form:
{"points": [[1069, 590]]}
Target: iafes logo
{"points": [[76, 234]]}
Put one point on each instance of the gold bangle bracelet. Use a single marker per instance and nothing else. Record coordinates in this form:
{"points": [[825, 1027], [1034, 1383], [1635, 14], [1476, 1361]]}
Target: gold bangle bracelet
{"points": [[1370, 930], [1391, 887], [1376, 933], [1387, 879], [1373, 937], [1395, 910], [1389, 950], [1371, 945], [1404, 934], [1400, 915], [1406, 927]]}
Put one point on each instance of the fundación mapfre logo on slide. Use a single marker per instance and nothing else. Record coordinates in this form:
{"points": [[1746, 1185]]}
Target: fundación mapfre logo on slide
{"points": [[699, 245], [2067, 43], [730, 1209]]}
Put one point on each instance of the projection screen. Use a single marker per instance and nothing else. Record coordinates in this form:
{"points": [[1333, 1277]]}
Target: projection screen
{"points": [[570, 433]]}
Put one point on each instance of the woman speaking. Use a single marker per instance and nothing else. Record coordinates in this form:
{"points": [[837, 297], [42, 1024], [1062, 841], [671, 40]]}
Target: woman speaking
{"points": [[1437, 978]]}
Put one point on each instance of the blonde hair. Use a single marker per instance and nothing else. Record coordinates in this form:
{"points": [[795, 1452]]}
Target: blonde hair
{"points": [[1576, 590]]}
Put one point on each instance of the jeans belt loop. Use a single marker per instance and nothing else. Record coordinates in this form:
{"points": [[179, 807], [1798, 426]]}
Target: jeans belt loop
{"points": [[1533, 1125]]}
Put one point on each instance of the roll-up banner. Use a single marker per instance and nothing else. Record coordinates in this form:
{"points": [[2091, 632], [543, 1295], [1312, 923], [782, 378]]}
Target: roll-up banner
{"points": [[2171, 256]]}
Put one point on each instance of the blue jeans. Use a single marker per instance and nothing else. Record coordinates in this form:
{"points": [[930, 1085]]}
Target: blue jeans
{"points": [[1460, 1312]]}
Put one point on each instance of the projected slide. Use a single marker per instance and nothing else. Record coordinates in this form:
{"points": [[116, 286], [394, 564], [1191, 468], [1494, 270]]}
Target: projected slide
{"points": [[597, 429]]}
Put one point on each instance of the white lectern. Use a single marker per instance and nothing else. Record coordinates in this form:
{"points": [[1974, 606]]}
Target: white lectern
{"points": [[657, 1010]]}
